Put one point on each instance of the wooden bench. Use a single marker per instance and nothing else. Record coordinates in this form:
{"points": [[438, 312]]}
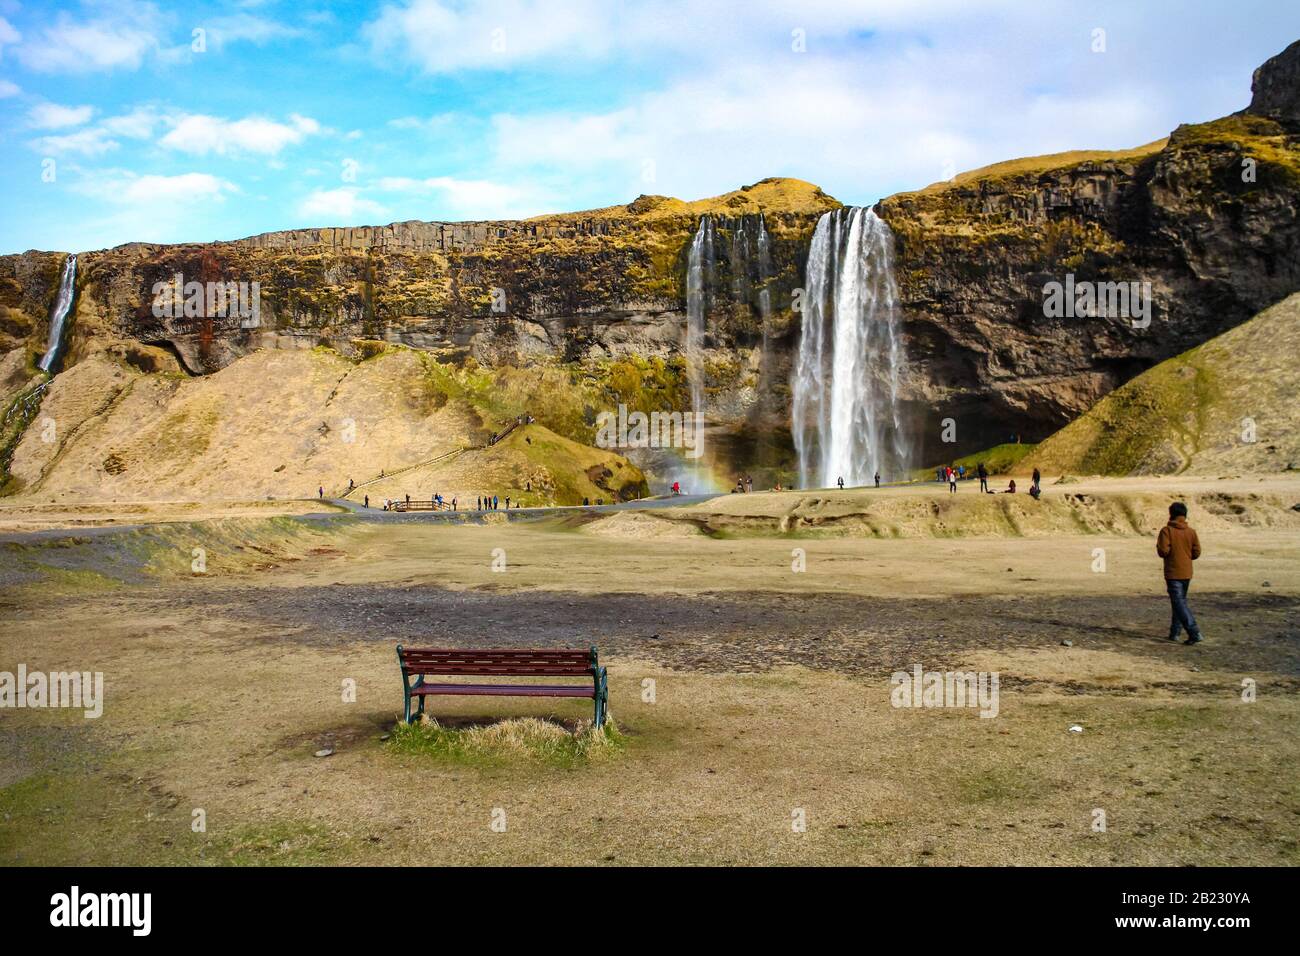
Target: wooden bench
{"points": [[425, 662]]}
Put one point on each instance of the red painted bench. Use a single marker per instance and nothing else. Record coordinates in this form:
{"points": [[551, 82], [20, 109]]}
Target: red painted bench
{"points": [[425, 662]]}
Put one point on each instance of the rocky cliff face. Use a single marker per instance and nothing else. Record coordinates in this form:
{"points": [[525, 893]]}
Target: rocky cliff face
{"points": [[1207, 220]]}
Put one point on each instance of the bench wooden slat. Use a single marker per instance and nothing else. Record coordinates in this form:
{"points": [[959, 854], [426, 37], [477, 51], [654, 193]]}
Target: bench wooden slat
{"points": [[505, 690], [506, 662]]}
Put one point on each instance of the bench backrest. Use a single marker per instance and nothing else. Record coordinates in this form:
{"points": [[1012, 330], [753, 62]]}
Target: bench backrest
{"points": [[506, 662]]}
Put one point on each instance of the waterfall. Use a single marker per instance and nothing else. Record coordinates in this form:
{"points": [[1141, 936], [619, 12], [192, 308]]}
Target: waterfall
{"points": [[59, 314], [764, 277], [700, 276], [845, 413]]}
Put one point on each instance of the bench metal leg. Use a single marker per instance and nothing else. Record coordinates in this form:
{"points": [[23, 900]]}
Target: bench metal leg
{"points": [[602, 699]]}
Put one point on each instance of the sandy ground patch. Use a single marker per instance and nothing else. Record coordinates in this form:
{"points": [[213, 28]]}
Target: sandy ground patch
{"points": [[750, 694]]}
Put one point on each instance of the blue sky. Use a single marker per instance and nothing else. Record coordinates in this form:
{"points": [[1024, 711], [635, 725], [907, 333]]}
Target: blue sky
{"points": [[122, 123]]}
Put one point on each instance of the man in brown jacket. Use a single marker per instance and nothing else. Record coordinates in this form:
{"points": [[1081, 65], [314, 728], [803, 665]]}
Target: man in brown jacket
{"points": [[1178, 545]]}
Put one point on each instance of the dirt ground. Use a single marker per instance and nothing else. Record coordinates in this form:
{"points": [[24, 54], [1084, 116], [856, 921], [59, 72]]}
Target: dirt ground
{"points": [[750, 697]]}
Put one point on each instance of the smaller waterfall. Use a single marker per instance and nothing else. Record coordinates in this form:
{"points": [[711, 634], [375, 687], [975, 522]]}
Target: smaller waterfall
{"points": [[845, 414], [765, 306], [59, 314], [700, 278]]}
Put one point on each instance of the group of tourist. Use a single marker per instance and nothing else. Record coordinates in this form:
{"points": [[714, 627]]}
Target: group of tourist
{"points": [[952, 475], [494, 502]]}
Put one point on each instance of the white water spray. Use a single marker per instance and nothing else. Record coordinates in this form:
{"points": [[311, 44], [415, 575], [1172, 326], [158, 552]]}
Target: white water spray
{"points": [[845, 413], [700, 275], [59, 314]]}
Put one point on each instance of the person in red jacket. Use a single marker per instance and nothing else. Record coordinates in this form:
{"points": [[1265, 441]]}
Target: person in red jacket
{"points": [[1178, 545]]}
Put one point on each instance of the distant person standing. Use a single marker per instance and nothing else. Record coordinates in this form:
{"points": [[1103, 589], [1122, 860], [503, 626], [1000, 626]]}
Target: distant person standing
{"points": [[984, 477], [841, 484], [496, 502], [1178, 544], [320, 492], [367, 501], [952, 481], [877, 479]]}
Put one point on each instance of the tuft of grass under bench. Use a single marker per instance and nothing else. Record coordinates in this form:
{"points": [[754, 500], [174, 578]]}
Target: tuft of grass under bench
{"points": [[525, 739]]}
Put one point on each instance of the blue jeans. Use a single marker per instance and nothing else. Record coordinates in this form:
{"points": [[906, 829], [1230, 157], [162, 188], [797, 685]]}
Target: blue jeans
{"points": [[1182, 614]]}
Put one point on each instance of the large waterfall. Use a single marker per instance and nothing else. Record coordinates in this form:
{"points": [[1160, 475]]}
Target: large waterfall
{"points": [[845, 413], [60, 312]]}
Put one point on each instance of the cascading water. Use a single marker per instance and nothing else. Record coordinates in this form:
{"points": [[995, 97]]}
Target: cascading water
{"points": [[59, 314], [845, 413], [700, 276]]}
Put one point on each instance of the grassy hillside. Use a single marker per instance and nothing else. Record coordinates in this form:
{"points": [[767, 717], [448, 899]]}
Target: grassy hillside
{"points": [[285, 423], [1196, 412]]}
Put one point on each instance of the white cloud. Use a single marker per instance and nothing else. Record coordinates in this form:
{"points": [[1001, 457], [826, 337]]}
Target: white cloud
{"points": [[860, 123], [8, 89], [55, 116], [113, 34], [200, 135], [433, 124], [137, 124], [468, 198], [86, 142], [8, 35], [345, 203], [247, 27], [191, 187], [440, 37], [125, 188], [120, 36]]}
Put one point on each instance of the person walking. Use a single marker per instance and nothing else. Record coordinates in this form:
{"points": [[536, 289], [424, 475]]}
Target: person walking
{"points": [[1179, 546], [367, 501], [984, 477], [952, 481], [320, 492]]}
